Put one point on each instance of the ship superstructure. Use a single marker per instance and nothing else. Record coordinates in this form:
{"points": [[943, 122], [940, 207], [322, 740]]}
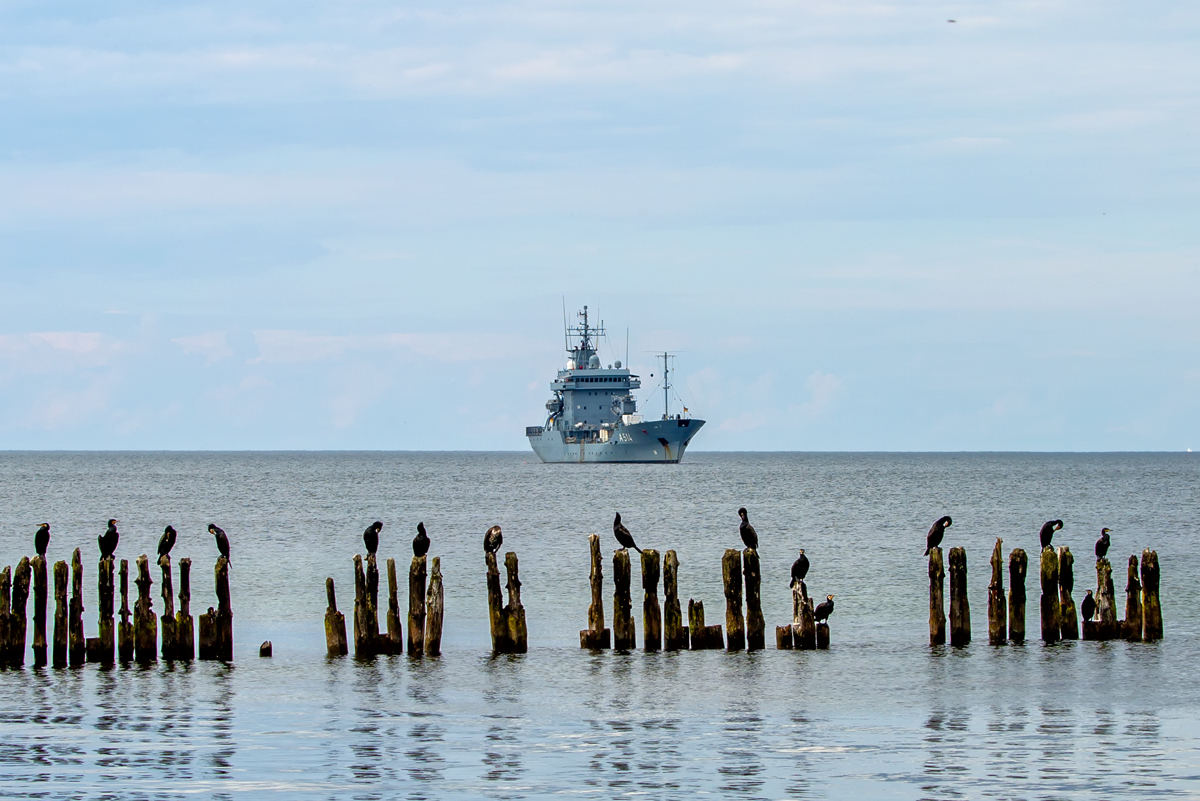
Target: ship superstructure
{"points": [[593, 417]]}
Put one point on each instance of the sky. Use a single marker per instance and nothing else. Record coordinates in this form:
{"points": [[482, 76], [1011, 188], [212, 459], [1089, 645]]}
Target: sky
{"points": [[917, 226]]}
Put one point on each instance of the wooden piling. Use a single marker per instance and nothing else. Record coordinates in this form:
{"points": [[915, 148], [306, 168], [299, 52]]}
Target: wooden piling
{"points": [[1106, 602], [624, 631], [783, 638], [1051, 623], [185, 628], [102, 648], [755, 624], [702, 637], [937, 603], [167, 621], [372, 609], [514, 612], [997, 602], [18, 619], [1152, 624], [40, 591], [651, 611], [216, 625], [1018, 563], [675, 634], [960, 607], [804, 626], [6, 648], [395, 631], [335, 625], [595, 636], [735, 623], [434, 610], [77, 651], [364, 641], [1068, 618], [501, 641], [1131, 627], [61, 618], [416, 606], [823, 636], [125, 627], [145, 624]]}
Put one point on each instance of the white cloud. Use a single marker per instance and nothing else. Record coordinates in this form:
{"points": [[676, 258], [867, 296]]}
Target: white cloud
{"points": [[212, 346], [289, 347]]}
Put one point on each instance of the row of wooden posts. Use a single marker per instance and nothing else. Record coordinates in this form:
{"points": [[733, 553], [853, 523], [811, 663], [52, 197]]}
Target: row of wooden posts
{"points": [[126, 641], [425, 611], [1059, 619]]}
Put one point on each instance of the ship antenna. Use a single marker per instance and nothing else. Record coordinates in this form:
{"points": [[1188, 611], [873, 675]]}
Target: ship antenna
{"points": [[666, 387], [566, 335], [626, 347]]}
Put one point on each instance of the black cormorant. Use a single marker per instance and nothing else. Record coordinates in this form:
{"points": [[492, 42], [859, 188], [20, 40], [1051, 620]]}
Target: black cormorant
{"points": [[109, 539], [938, 530], [823, 610], [421, 541], [41, 540], [1103, 543], [749, 535], [799, 568], [622, 534], [492, 540], [1088, 607], [222, 540], [166, 542], [1047, 532], [371, 537]]}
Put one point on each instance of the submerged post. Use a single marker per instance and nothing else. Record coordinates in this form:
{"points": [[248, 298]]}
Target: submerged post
{"points": [[434, 611], [624, 631], [731, 576], [937, 602], [1018, 563], [40, 591], [651, 611], [1068, 619], [497, 615], [395, 632], [61, 626], [416, 606], [185, 628], [997, 603], [145, 625], [804, 625], [125, 627], [1131, 628], [1152, 624], [518, 635], [335, 624], [755, 625], [1051, 625], [168, 621], [77, 652], [18, 619], [595, 636], [960, 607], [675, 634]]}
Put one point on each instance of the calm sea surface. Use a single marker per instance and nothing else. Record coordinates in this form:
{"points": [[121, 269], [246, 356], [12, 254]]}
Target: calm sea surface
{"points": [[879, 715]]}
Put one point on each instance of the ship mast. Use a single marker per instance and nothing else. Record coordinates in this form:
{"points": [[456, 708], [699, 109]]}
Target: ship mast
{"points": [[666, 384]]}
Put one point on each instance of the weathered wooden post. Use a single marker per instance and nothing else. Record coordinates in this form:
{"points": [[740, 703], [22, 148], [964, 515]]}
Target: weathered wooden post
{"points": [[997, 603], [20, 597], [6, 655], [783, 638], [364, 643], [395, 631], [514, 612], [651, 611], [416, 606], [823, 636], [1051, 625], [804, 626], [1152, 624], [373, 602], [595, 636], [1018, 563], [735, 623], [125, 627], [1131, 627], [1068, 619], [145, 625], [755, 625], [185, 627], [169, 640], [335, 624], [61, 619], [937, 596], [960, 607], [624, 632], [40, 590], [102, 648], [434, 611], [497, 615], [675, 634], [77, 652], [702, 637], [1106, 601], [216, 625]]}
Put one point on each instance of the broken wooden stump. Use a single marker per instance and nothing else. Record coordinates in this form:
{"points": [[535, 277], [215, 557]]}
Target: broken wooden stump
{"points": [[18, 620], [61, 616], [77, 648], [498, 619], [6, 655], [145, 624], [804, 626], [102, 648], [595, 636], [937, 602], [1152, 624], [702, 637], [372, 609], [185, 627], [822, 636], [365, 640], [755, 624], [514, 612], [335, 624], [651, 611], [1051, 624], [509, 633], [960, 607], [1131, 626], [169, 642], [783, 638], [216, 626], [266, 649], [1104, 627], [997, 602], [623, 629], [731, 577], [434, 610], [1018, 563], [395, 631], [416, 606], [675, 634], [40, 590], [1068, 618], [125, 627]]}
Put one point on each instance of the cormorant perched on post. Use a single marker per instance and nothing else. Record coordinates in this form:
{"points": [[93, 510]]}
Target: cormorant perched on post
{"points": [[938, 530], [222, 540], [492, 540], [1047, 532], [41, 540], [371, 537], [1088, 606], [109, 539], [421, 541], [823, 610], [623, 536], [1103, 543], [749, 535], [799, 569], [166, 542]]}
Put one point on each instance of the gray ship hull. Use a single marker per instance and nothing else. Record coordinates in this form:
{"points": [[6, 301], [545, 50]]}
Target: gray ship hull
{"points": [[651, 441]]}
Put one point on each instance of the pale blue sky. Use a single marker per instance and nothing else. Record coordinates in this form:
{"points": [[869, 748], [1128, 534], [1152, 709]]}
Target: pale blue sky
{"points": [[351, 225]]}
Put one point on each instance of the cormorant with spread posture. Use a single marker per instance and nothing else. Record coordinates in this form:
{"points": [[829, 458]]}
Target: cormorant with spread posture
{"points": [[492, 540], [1047, 532], [799, 569], [823, 610], [938, 530], [41, 540], [749, 535], [1103, 543], [166, 542], [371, 537], [109, 539], [1088, 607], [222, 540], [623, 536], [421, 541]]}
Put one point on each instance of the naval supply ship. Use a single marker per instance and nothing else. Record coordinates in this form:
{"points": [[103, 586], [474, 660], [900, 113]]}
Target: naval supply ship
{"points": [[593, 415]]}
